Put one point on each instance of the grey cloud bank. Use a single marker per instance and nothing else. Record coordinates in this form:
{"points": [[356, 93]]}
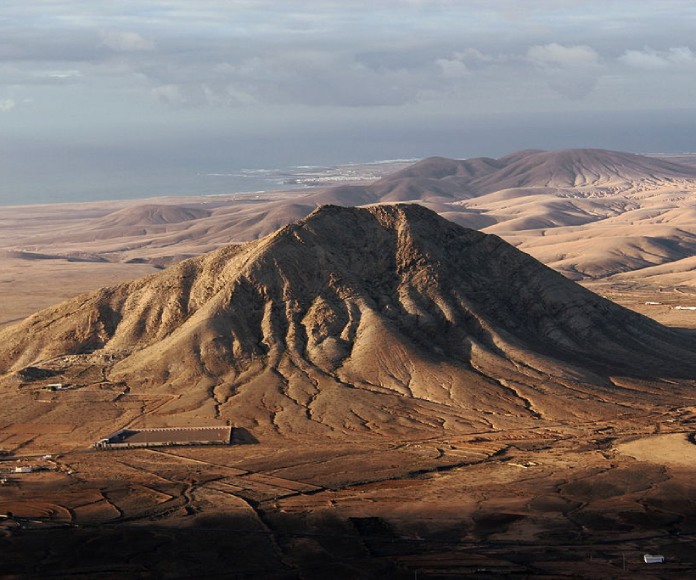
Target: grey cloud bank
{"points": [[108, 99]]}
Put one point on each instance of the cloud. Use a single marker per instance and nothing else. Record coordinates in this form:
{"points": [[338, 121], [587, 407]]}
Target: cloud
{"points": [[463, 63], [63, 74], [649, 59], [295, 76], [572, 71], [196, 95], [483, 53], [120, 41], [6, 105], [453, 67], [557, 55]]}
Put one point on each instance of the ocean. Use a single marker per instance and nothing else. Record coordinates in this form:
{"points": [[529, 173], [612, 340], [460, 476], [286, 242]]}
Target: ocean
{"points": [[91, 184]]}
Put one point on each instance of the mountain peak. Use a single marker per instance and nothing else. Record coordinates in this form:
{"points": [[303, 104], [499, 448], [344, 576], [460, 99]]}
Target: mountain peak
{"points": [[374, 319]]}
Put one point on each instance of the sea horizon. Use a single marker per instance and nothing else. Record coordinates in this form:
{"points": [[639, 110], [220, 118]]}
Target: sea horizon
{"points": [[181, 183]]}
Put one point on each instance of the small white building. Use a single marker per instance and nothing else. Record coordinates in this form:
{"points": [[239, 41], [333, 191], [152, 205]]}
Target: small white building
{"points": [[653, 559], [23, 469]]}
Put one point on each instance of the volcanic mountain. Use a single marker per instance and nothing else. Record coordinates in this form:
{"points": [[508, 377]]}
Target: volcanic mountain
{"points": [[388, 319], [441, 179]]}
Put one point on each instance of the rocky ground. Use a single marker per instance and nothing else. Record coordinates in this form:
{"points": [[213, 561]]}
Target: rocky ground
{"points": [[557, 501]]}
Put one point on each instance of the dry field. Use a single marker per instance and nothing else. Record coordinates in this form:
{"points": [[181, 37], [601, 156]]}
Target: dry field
{"points": [[559, 494], [558, 501]]}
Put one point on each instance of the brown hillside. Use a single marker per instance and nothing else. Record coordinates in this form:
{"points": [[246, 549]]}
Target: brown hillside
{"points": [[570, 168], [375, 320], [580, 168], [153, 214]]}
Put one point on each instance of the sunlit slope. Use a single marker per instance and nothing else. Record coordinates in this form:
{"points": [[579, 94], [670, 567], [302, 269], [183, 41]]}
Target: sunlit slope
{"points": [[377, 319]]}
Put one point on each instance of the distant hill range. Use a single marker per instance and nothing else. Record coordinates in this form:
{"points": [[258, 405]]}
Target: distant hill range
{"points": [[439, 179], [387, 319], [587, 213]]}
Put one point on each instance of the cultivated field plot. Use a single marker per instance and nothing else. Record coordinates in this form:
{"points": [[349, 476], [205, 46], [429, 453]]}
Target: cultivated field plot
{"points": [[37, 429]]}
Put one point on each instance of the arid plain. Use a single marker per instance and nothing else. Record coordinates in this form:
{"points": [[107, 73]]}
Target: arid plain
{"points": [[412, 399]]}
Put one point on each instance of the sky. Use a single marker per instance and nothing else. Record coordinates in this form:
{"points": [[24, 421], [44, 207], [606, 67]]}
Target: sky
{"points": [[129, 98]]}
